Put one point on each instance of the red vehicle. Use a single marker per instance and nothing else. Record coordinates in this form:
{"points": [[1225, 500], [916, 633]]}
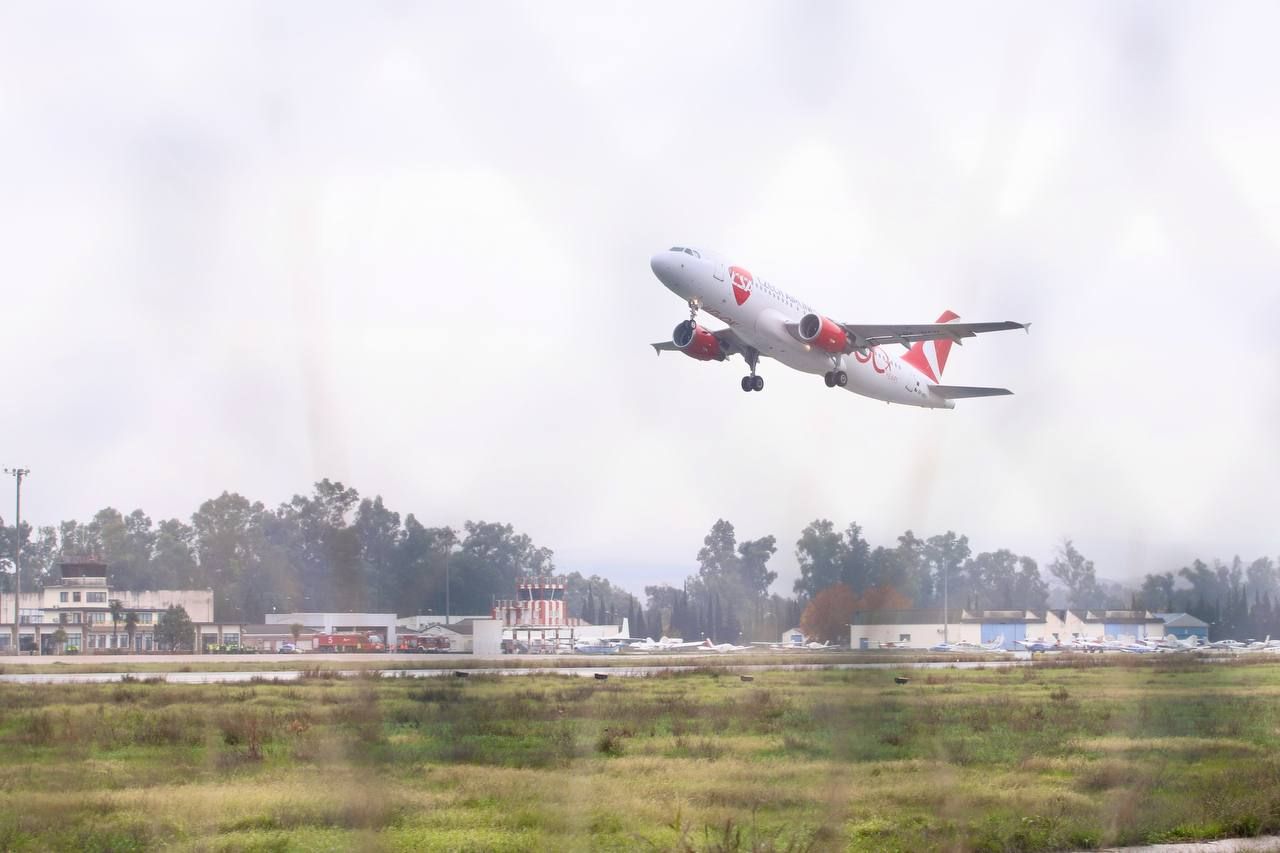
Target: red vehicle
{"points": [[424, 644], [349, 643]]}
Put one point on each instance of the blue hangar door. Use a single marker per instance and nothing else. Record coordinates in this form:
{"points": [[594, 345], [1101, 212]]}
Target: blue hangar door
{"points": [[1009, 630]]}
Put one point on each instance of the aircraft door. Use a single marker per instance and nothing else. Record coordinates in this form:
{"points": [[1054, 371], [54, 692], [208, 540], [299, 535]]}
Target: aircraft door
{"points": [[719, 273]]}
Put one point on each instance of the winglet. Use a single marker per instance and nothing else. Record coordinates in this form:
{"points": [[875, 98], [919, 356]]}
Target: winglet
{"points": [[1027, 328]]}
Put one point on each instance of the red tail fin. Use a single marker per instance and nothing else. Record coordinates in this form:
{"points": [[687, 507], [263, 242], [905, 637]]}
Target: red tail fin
{"points": [[918, 355]]}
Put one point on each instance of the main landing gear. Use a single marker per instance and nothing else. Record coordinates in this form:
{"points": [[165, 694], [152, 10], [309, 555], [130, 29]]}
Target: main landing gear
{"points": [[836, 378], [752, 382]]}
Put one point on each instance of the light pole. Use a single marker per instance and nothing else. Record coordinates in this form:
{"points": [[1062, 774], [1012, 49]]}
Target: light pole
{"points": [[18, 474], [946, 571]]}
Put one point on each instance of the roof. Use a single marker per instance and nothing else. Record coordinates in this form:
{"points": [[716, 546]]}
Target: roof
{"points": [[930, 616], [463, 627], [283, 630], [933, 616], [1120, 616], [1181, 620]]}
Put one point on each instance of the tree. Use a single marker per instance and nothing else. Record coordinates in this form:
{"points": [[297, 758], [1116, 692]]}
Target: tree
{"points": [[60, 639], [753, 565], [945, 555], [131, 627], [1157, 592], [116, 606], [1001, 580], [856, 567], [822, 553], [1077, 575], [174, 629], [295, 631], [827, 617]]}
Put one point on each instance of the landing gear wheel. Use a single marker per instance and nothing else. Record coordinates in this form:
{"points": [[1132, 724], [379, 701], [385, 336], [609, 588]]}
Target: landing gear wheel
{"points": [[757, 383], [830, 379], [841, 378], [748, 383]]}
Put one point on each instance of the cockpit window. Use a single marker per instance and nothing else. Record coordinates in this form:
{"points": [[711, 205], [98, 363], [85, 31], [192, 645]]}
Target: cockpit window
{"points": [[676, 249], [693, 252]]}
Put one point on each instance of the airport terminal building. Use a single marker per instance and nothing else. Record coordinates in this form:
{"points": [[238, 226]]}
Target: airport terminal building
{"points": [[79, 604]]}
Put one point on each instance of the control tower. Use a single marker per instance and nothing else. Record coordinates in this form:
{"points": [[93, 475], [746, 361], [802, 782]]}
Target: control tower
{"points": [[538, 601]]}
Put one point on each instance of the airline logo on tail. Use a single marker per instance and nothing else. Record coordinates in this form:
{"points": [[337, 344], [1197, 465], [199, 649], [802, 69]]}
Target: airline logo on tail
{"points": [[922, 352]]}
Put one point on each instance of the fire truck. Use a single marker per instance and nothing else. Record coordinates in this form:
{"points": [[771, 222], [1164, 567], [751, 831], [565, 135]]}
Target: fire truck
{"points": [[349, 643], [424, 645]]}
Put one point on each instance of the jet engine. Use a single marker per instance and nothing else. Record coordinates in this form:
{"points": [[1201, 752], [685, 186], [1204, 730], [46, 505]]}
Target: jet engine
{"points": [[826, 335], [696, 342]]}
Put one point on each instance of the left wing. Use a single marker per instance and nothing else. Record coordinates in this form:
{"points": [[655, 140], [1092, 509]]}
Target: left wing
{"points": [[863, 335]]}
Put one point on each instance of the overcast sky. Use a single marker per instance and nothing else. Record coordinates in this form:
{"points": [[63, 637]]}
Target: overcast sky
{"points": [[405, 246]]}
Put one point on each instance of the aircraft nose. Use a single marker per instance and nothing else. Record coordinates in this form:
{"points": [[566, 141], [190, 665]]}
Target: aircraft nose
{"points": [[664, 266]]}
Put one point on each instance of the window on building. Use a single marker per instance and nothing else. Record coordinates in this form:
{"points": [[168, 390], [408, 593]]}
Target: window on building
{"points": [[145, 618], [62, 597], [97, 618], [904, 638], [75, 596], [95, 597]]}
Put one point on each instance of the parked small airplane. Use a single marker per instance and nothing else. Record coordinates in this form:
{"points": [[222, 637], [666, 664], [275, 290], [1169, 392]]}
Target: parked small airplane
{"points": [[707, 645], [597, 646], [796, 647], [996, 645], [763, 320], [666, 644], [1039, 645]]}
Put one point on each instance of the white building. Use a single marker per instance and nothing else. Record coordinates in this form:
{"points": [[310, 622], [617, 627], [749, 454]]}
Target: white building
{"points": [[923, 628], [79, 604], [382, 624]]}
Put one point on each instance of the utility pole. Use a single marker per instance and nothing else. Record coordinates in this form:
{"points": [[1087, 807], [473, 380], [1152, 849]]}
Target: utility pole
{"points": [[18, 474], [946, 572]]}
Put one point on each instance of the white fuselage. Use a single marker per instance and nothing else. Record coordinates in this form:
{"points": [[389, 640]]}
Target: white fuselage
{"points": [[759, 312]]}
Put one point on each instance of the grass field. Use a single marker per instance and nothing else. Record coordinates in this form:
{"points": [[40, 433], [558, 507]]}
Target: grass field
{"points": [[1050, 757], [274, 663]]}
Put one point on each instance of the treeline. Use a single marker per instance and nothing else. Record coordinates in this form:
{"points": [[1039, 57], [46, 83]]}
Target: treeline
{"points": [[331, 550], [1238, 601], [727, 597]]}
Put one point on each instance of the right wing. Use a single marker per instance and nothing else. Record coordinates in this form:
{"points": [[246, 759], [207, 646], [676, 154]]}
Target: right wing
{"points": [[863, 335], [730, 343]]}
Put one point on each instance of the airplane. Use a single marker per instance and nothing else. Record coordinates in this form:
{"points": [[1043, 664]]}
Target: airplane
{"points": [[666, 644], [1038, 645], [812, 646], [708, 646], [596, 646], [996, 645], [764, 320]]}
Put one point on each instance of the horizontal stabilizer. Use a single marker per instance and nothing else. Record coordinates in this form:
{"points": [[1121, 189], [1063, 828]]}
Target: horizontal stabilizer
{"points": [[959, 392]]}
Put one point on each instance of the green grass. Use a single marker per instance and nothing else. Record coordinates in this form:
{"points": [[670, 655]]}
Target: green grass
{"points": [[200, 663], [1059, 756]]}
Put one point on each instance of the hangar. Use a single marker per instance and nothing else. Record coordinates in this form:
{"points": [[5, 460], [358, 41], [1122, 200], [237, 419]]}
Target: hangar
{"points": [[1184, 626], [871, 629]]}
